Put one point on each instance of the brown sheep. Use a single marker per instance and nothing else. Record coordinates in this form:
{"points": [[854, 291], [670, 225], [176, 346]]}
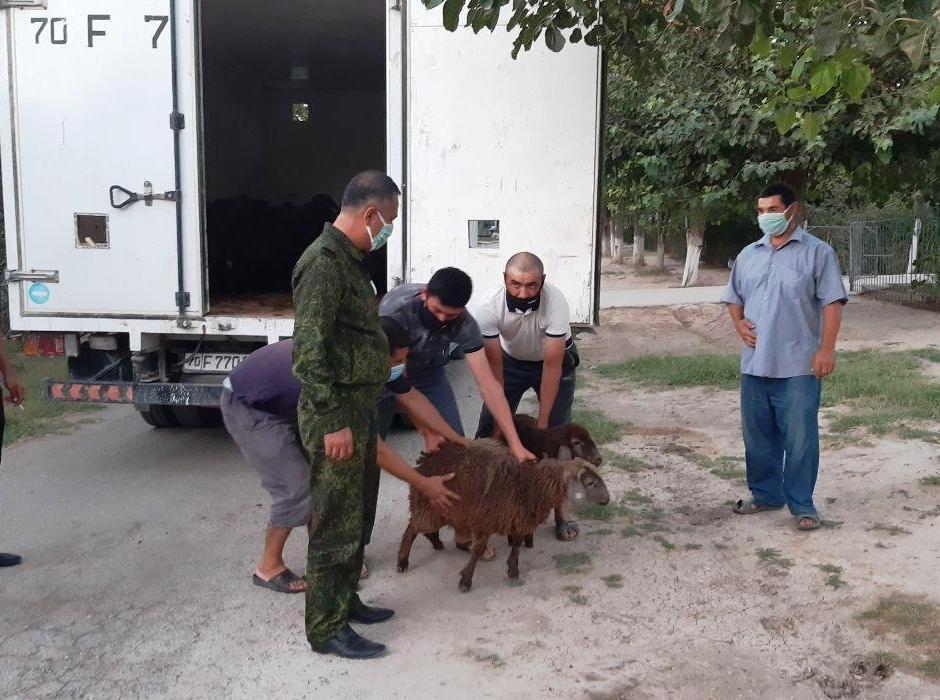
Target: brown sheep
{"points": [[562, 441], [497, 496]]}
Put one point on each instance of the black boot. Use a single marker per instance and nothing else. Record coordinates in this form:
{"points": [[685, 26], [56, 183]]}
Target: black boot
{"points": [[368, 615], [9, 559], [349, 645]]}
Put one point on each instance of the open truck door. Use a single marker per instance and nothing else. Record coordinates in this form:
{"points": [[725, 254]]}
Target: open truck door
{"points": [[99, 155], [502, 156]]}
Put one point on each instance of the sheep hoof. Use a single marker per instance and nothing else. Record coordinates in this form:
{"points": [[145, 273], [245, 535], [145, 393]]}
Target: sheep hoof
{"points": [[465, 585], [514, 573], [402, 566], [529, 542]]}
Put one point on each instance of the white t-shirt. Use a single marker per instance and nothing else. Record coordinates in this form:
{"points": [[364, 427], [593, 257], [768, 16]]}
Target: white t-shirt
{"points": [[521, 334]]}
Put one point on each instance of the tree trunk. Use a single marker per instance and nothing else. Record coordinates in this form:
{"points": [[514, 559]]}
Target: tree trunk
{"points": [[616, 240], [639, 244], [660, 249], [605, 235], [694, 240]]}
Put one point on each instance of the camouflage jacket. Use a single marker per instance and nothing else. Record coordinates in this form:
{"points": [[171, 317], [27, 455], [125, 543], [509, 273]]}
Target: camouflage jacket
{"points": [[339, 346]]}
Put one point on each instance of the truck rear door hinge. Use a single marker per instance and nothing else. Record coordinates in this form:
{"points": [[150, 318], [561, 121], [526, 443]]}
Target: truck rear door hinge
{"points": [[12, 4], [177, 121], [31, 276], [182, 300]]}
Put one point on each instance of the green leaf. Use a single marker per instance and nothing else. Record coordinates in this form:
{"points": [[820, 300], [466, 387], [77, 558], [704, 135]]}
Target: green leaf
{"points": [[786, 56], [431, 4], [452, 10], [785, 118], [760, 46], [575, 36], [915, 46], [554, 39], [934, 95], [874, 44], [812, 125], [798, 93], [824, 78], [855, 79], [827, 36]]}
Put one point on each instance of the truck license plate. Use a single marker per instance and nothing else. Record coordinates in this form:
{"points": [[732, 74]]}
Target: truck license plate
{"points": [[212, 362]]}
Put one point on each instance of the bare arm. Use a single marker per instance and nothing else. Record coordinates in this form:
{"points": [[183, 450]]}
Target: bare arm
{"points": [[743, 326], [494, 354], [554, 354], [11, 379], [442, 498], [422, 413], [495, 400], [824, 361]]}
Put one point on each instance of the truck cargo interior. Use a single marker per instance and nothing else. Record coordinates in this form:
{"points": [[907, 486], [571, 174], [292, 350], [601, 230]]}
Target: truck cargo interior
{"points": [[293, 106]]}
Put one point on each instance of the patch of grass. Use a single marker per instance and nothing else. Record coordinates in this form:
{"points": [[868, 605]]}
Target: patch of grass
{"points": [[931, 354], [728, 473], [572, 589], [836, 581], [830, 524], [932, 480], [893, 530], [601, 428], [595, 511], [719, 546], [916, 622], [691, 546], [627, 463], [631, 531], [882, 391], [830, 500], [834, 443], [492, 660], [572, 562], [664, 371], [634, 496], [829, 568], [770, 556], [613, 580], [38, 417], [906, 432], [666, 544], [578, 599]]}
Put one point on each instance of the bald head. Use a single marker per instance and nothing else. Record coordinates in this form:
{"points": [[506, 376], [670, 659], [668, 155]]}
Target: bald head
{"points": [[526, 264]]}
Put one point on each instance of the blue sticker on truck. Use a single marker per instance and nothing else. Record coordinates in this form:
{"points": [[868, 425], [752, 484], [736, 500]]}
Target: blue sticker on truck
{"points": [[39, 293]]}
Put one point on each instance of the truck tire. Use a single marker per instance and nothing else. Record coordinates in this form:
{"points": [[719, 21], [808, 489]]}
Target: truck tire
{"points": [[197, 416], [158, 416]]}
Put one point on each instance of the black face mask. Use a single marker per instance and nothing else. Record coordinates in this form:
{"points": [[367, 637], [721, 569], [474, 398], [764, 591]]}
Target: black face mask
{"points": [[429, 321], [523, 305]]}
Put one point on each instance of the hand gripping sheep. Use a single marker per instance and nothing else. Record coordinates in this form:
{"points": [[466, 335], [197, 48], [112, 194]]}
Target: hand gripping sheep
{"points": [[497, 496]]}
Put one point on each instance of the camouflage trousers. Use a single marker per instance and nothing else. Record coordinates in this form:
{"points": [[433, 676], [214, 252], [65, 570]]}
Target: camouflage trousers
{"points": [[342, 496]]}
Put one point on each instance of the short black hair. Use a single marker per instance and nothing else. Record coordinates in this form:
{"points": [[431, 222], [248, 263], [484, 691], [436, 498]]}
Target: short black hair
{"points": [[778, 189], [369, 187], [452, 286], [396, 333]]}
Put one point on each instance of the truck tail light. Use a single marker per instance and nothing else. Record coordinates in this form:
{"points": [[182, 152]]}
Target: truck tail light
{"points": [[50, 345]]}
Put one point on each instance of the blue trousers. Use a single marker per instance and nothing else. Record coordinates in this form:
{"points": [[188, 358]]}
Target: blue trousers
{"points": [[780, 422], [435, 387]]}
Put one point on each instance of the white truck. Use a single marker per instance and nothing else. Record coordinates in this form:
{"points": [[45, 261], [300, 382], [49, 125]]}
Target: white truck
{"points": [[164, 163]]}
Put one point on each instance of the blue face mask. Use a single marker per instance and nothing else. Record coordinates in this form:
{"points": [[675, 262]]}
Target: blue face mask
{"points": [[381, 238], [773, 224], [396, 372]]}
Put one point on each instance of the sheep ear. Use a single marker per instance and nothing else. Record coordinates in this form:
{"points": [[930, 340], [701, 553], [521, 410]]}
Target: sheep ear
{"points": [[564, 453]]}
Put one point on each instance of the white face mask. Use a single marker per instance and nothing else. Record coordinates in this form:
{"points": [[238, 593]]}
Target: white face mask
{"points": [[381, 238]]}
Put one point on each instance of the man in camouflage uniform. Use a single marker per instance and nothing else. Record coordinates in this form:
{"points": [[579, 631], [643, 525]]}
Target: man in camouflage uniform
{"points": [[341, 360]]}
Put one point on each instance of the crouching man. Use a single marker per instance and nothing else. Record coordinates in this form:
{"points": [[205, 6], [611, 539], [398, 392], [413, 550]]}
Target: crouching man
{"points": [[527, 339]]}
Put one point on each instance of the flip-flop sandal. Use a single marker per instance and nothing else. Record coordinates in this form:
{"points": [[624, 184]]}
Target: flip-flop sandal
{"points": [[280, 583], [751, 507], [813, 524], [564, 529], [489, 554]]}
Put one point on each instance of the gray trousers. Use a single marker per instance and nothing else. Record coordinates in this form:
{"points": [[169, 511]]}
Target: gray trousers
{"points": [[272, 447]]}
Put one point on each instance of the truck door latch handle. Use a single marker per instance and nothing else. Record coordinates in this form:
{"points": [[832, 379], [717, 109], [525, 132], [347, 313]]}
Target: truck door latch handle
{"points": [[121, 197]]}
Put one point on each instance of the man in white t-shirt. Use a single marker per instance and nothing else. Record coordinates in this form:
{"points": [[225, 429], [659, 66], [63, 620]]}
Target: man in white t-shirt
{"points": [[527, 338]]}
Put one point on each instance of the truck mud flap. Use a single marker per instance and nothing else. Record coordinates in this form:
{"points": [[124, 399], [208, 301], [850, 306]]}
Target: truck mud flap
{"points": [[141, 394]]}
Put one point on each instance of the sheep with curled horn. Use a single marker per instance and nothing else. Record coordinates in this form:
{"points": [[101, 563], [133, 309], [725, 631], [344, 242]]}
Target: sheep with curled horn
{"points": [[562, 441], [497, 496]]}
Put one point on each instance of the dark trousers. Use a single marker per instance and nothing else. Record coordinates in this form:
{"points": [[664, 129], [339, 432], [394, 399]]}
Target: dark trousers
{"points": [[434, 385], [518, 377], [779, 418]]}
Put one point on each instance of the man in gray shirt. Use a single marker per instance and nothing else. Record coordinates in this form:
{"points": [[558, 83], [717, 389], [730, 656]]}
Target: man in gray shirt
{"points": [[785, 297]]}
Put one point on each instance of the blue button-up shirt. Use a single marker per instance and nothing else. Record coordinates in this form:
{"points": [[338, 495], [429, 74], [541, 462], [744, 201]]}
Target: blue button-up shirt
{"points": [[783, 292]]}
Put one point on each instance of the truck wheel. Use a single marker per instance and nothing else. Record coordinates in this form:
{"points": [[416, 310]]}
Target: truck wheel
{"points": [[158, 416], [197, 416]]}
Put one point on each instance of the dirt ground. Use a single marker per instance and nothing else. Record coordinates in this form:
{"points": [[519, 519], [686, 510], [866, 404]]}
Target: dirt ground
{"points": [[139, 546], [625, 276]]}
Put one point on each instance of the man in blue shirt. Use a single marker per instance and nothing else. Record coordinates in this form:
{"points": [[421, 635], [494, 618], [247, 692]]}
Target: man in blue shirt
{"points": [[785, 297]]}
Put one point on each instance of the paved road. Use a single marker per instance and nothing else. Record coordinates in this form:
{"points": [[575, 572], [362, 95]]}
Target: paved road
{"points": [[139, 545]]}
